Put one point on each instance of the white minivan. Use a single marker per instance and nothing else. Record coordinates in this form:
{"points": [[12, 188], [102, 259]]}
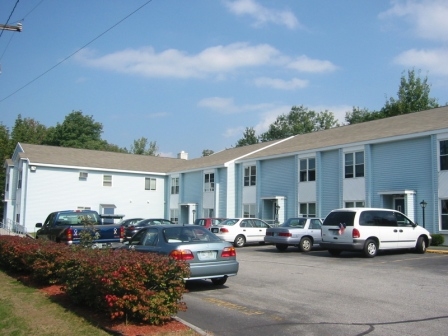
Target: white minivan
{"points": [[371, 229]]}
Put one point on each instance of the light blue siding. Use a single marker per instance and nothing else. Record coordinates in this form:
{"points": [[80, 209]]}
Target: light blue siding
{"points": [[193, 186], [221, 179], [405, 165], [278, 177], [330, 182]]}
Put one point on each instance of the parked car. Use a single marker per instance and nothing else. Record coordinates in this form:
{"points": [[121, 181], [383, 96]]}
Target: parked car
{"points": [[208, 256], [208, 222], [131, 230], [240, 231], [301, 232], [371, 229], [130, 221]]}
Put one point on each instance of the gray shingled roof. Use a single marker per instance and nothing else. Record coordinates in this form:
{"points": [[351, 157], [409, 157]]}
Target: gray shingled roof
{"points": [[412, 123], [418, 122]]}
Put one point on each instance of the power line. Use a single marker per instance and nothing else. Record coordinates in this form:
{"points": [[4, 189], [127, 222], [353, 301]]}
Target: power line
{"points": [[1, 32], [77, 51]]}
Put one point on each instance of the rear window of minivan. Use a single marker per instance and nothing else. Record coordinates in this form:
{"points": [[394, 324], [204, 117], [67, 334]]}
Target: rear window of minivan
{"points": [[340, 217]]}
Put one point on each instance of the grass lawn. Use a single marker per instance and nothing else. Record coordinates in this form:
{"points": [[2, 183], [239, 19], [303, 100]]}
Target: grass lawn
{"points": [[27, 311]]}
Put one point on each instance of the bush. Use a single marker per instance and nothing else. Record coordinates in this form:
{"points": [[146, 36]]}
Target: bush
{"points": [[142, 287], [437, 239]]}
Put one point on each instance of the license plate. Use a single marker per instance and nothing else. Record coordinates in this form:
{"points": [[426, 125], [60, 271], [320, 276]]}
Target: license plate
{"points": [[207, 255], [215, 230]]}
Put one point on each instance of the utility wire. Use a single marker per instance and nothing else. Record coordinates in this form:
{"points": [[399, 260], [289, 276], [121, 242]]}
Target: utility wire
{"points": [[1, 32], [77, 51]]}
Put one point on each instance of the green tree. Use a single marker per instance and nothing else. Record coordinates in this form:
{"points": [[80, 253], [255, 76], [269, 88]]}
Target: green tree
{"points": [[5, 153], [77, 131], [249, 138], [207, 152], [28, 131], [361, 115], [299, 120], [142, 147]]}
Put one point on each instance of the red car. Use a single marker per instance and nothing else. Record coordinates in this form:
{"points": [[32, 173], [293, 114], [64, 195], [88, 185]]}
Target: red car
{"points": [[208, 222]]}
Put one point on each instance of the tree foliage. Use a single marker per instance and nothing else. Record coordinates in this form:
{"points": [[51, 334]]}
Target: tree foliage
{"points": [[413, 96], [207, 152], [142, 147], [299, 120], [249, 138]]}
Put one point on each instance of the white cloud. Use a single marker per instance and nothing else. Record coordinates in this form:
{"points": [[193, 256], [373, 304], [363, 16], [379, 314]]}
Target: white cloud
{"points": [[227, 105], [427, 17], [281, 84], [435, 60], [214, 61], [306, 64], [261, 14]]}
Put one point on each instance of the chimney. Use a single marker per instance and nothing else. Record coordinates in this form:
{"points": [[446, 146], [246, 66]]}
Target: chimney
{"points": [[182, 155]]}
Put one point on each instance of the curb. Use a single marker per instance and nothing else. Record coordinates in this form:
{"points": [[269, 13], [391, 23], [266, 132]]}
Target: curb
{"points": [[197, 329], [437, 251]]}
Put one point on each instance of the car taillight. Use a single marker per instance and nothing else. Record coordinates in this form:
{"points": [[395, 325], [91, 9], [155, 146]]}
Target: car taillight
{"points": [[355, 233], [69, 234], [121, 233], [285, 234], [228, 252], [224, 230], [182, 255]]}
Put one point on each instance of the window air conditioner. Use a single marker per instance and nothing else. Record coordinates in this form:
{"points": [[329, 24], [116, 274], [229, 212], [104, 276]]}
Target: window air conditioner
{"points": [[83, 175]]}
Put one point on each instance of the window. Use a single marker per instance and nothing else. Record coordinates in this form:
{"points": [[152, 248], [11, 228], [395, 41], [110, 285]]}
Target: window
{"points": [[174, 215], [444, 219], [208, 212], [150, 183], [249, 211], [355, 204], [209, 182], [174, 185], [307, 170], [250, 176], [444, 155], [19, 183], [354, 165], [107, 180], [308, 209]]}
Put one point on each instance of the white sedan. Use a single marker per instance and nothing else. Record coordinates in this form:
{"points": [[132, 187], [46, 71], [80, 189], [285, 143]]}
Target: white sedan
{"points": [[301, 232], [240, 231]]}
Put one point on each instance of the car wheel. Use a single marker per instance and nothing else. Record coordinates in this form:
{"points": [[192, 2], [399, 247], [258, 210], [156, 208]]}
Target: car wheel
{"points": [[370, 248], [421, 245], [281, 247], [334, 253], [219, 281], [239, 241], [305, 244]]}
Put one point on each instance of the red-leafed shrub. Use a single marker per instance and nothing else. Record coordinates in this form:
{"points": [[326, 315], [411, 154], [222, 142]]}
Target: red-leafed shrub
{"points": [[141, 287]]}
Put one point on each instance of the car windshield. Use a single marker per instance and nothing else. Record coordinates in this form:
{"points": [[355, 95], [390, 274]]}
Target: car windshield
{"points": [[295, 222], [229, 222], [189, 235]]}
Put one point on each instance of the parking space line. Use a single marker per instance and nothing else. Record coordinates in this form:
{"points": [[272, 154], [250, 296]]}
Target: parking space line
{"points": [[229, 305]]}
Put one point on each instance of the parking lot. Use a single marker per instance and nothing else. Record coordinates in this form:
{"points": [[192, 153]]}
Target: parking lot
{"points": [[293, 293]]}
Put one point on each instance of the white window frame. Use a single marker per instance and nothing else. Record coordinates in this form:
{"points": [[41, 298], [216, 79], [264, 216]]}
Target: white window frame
{"points": [[250, 176], [306, 173], [250, 210], [354, 164], [306, 209], [209, 182], [174, 185], [174, 215], [107, 180], [355, 204], [150, 183]]}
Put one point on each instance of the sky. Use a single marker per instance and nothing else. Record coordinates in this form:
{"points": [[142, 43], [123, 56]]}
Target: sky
{"points": [[193, 75]]}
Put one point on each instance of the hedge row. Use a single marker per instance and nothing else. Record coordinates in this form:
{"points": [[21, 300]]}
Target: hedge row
{"points": [[139, 287]]}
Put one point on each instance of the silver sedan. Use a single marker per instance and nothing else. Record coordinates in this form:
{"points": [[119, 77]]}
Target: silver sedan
{"points": [[208, 256], [301, 232]]}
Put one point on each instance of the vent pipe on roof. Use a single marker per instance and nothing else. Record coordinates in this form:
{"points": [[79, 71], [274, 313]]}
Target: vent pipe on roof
{"points": [[182, 155]]}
